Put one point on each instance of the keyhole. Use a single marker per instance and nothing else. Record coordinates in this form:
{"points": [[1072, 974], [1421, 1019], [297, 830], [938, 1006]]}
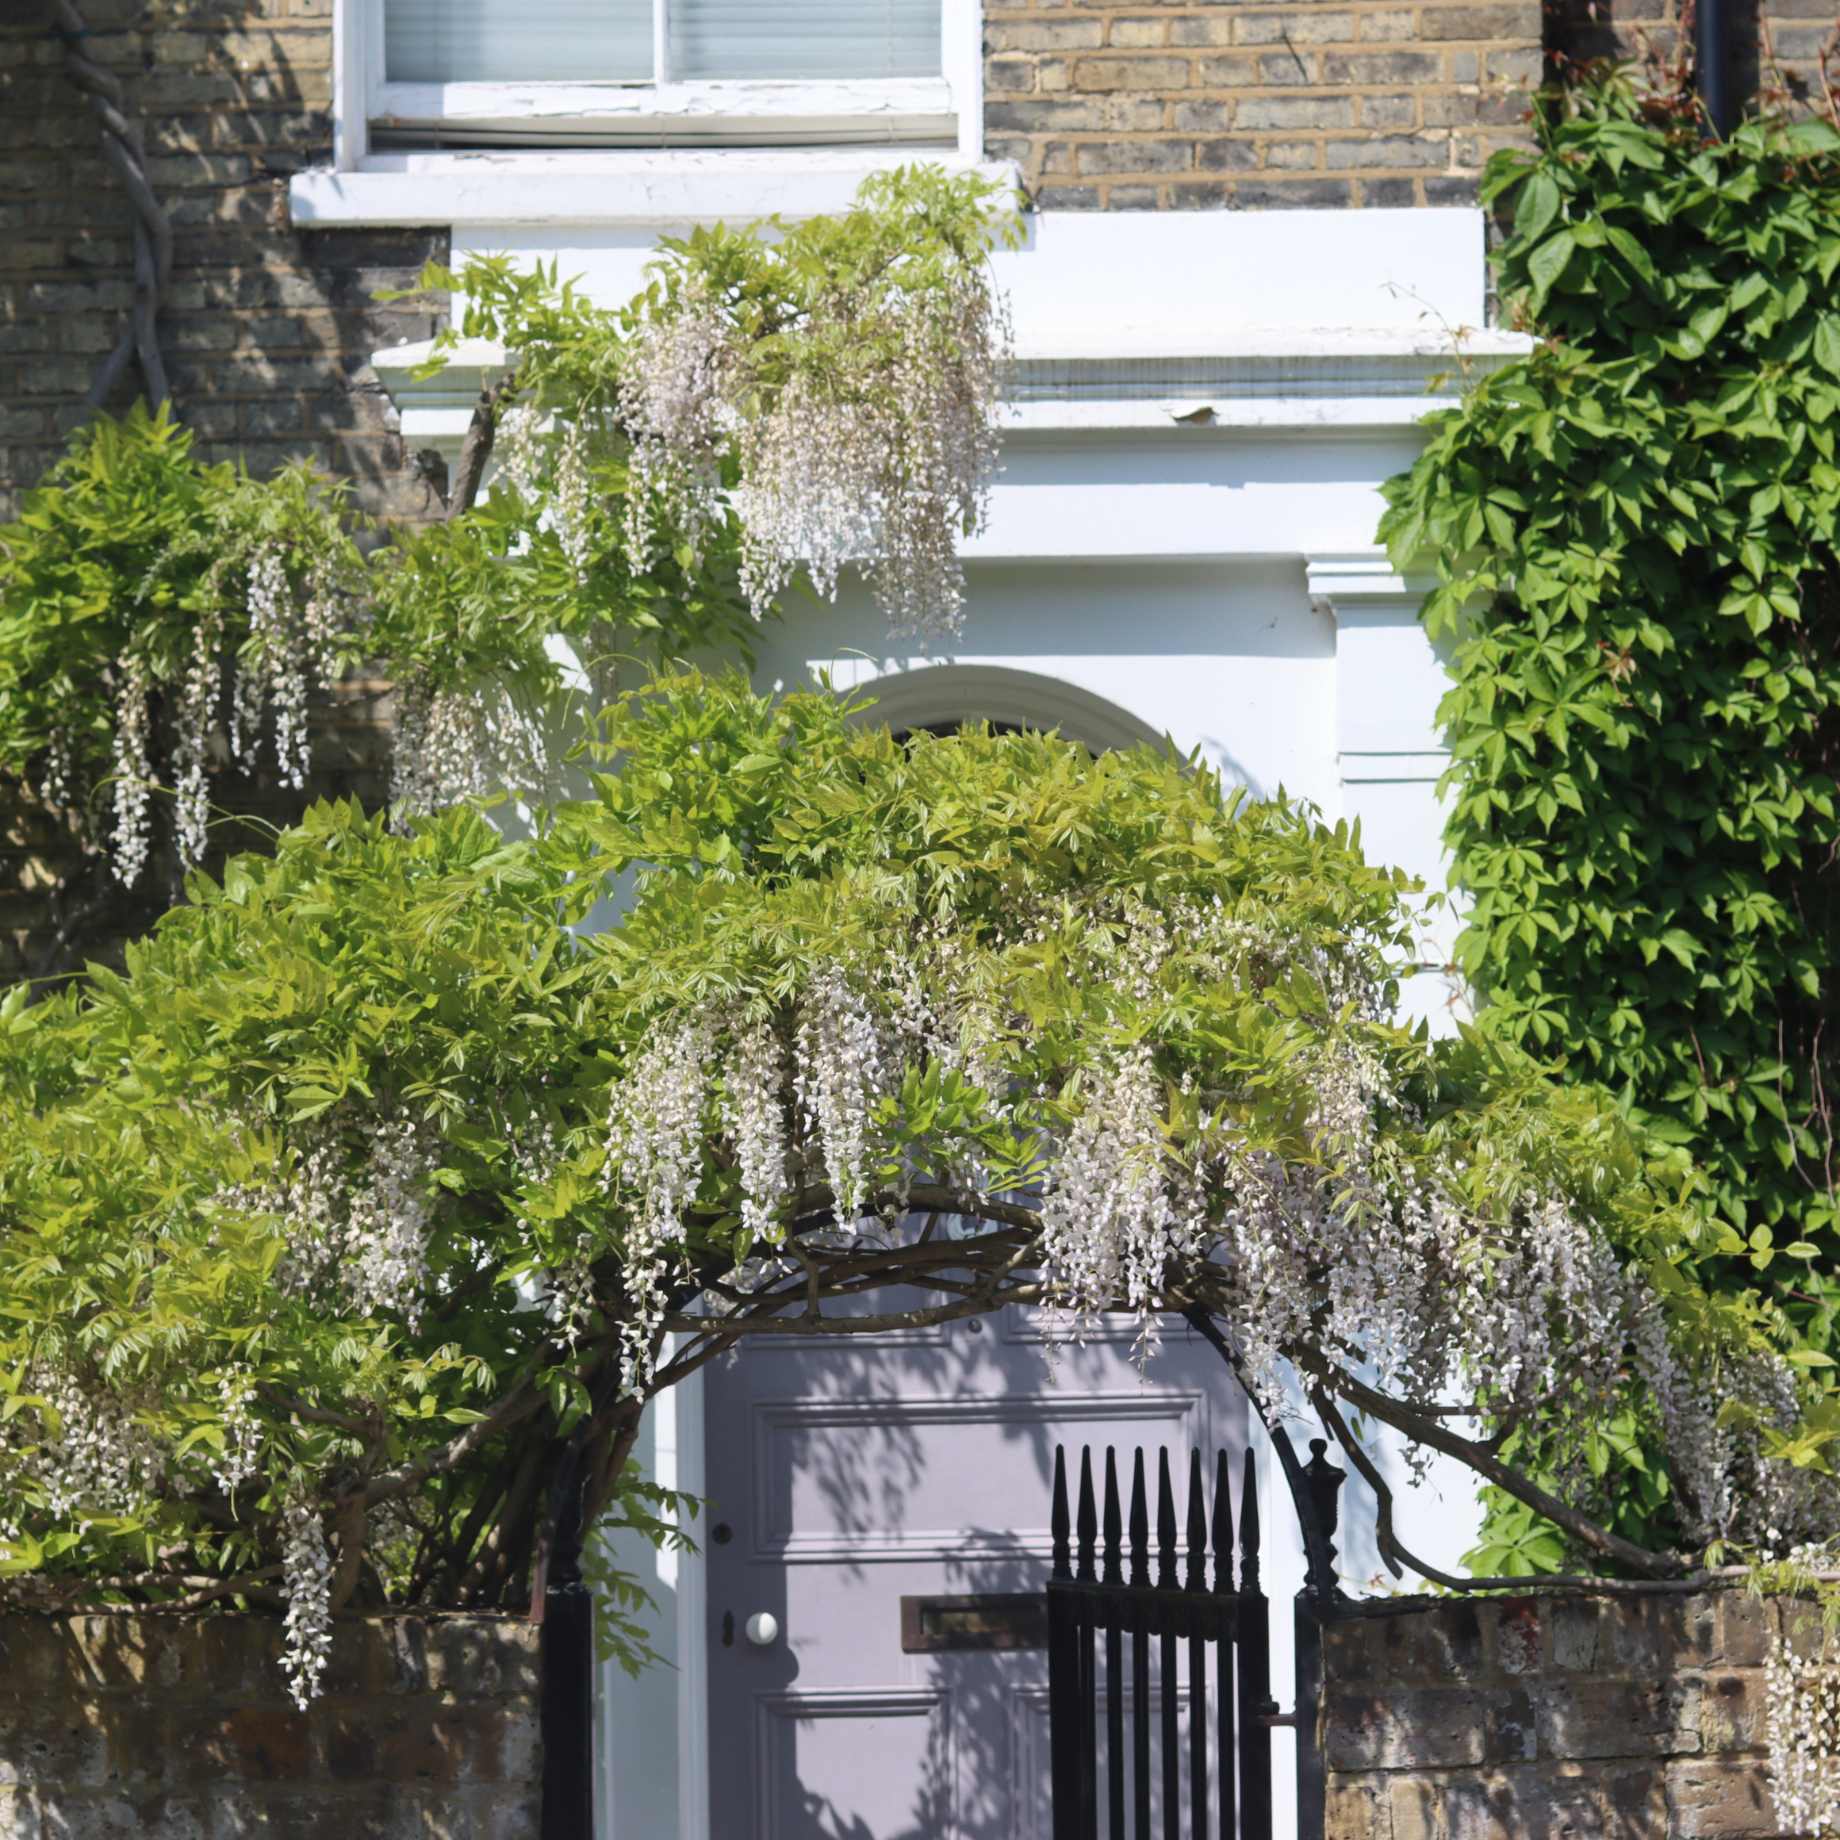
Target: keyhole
{"points": [[722, 1533], [728, 1629]]}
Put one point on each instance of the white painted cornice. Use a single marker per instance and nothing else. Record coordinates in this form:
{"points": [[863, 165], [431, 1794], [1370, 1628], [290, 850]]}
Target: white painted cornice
{"points": [[1346, 582], [1139, 382]]}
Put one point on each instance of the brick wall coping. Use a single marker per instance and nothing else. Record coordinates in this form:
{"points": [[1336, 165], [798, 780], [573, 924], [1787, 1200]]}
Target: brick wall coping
{"points": [[1605, 1589]]}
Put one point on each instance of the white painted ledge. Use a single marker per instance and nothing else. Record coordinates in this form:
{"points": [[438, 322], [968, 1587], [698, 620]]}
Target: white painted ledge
{"points": [[626, 186], [1342, 379]]}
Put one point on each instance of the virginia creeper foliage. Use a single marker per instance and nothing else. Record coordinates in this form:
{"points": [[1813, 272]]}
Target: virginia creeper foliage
{"points": [[1635, 530]]}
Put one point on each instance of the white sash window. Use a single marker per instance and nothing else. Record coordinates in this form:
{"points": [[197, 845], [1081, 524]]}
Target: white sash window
{"points": [[659, 72]]}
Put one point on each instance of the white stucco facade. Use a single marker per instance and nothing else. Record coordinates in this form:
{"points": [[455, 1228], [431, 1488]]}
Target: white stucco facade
{"points": [[1181, 544]]}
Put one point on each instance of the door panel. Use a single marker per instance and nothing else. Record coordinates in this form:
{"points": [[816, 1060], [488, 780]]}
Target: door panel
{"points": [[844, 1475]]}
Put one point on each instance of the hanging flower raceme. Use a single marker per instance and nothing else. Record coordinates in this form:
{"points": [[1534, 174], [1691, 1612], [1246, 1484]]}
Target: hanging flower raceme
{"points": [[654, 1158], [754, 1116], [92, 1457], [850, 424], [295, 617], [468, 743], [356, 1226], [306, 1582], [1109, 1228]]}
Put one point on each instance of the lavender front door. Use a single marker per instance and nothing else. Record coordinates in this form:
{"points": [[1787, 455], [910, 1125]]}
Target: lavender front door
{"points": [[844, 1479]]}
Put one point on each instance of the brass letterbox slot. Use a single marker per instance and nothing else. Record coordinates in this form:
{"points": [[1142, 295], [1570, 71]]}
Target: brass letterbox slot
{"points": [[983, 1620]]}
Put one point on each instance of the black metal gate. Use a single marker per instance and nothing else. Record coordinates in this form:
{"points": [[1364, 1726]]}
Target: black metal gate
{"points": [[1199, 1640]]}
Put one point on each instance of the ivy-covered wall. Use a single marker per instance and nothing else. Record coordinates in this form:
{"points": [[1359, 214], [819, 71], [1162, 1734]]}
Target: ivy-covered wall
{"points": [[1637, 533]]}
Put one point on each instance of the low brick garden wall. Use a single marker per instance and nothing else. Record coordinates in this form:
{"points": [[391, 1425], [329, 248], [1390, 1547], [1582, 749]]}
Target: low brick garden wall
{"points": [[180, 1728], [1638, 1717]]}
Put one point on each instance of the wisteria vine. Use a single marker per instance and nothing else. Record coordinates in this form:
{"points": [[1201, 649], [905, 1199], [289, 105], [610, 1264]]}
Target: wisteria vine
{"points": [[418, 1182]]}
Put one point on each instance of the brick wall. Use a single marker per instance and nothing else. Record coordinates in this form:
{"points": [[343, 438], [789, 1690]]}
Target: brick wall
{"points": [[1634, 1716], [1205, 103], [179, 1728], [265, 332], [1776, 44]]}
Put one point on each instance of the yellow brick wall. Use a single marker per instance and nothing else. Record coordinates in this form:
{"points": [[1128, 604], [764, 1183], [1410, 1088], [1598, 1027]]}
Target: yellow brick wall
{"points": [[1208, 103], [264, 331]]}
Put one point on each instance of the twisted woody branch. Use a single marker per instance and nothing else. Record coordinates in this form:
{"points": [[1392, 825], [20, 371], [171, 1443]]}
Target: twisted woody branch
{"points": [[125, 151]]}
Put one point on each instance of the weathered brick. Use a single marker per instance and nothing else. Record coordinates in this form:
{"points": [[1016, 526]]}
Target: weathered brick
{"points": [[1293, 194], [1098, 75], [1746, 1627], [1294, 28], [1393, 150], [1044, 35], [1228, 72], [1388, 111], [1008, 73], [1358, 1810], [1226, 156], [1381, 67], [1102, 158], [1478, 22], [1293, 156], [1068, 197], [1718, 1800], [1427, 1728], [1053, 115], [1295, 112], [1201, 31], [1202, 117], [1136, 34]]}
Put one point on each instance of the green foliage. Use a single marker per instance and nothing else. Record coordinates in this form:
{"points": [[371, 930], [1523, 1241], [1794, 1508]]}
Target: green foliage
{"points": [[1635, 531], [131, 586], [471, 604], [127, 547], [178, 1133], [910, 231]]}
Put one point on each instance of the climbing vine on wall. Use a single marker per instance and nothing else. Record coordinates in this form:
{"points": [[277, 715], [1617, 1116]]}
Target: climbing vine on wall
{"points": [[1635, 533]]}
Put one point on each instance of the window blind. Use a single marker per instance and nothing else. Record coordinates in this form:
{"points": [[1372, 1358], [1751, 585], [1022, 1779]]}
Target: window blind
{"points": [[789, 39], [514, 41]]}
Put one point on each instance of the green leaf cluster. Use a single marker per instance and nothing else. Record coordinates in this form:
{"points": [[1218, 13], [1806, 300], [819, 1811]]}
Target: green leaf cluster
{"points": [[1635, 531], [154, 1117], [127, 546]]}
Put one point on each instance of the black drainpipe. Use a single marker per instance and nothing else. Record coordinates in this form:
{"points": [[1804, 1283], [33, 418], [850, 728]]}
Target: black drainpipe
{"points": [[1712, 64]]}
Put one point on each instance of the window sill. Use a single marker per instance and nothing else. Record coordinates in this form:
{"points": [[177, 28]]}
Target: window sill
{"points": [[623, 186], [730, 113]]}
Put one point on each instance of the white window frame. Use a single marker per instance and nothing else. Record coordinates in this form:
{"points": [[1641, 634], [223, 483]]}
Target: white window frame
{"points": [[942, 110]]}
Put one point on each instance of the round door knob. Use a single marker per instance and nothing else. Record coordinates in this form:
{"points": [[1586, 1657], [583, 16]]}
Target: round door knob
{"points": [[763, 1628]]}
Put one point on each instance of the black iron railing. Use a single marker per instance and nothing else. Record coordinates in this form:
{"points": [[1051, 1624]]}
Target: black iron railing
{"points": [[1218, 1625]]}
